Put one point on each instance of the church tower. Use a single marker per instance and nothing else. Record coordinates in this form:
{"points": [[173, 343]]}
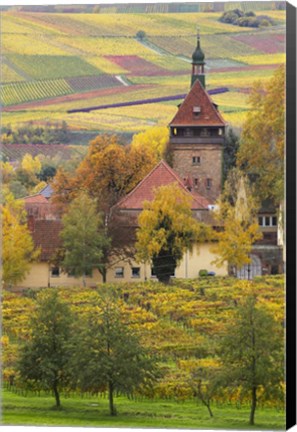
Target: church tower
{"points": [[197, 134]]}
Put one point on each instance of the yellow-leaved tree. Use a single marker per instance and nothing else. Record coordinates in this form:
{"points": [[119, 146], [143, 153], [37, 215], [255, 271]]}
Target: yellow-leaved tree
{"points": [[167, 229], [237, 216], [17, 247], [31, 164], [261, 150], [153, 139]]}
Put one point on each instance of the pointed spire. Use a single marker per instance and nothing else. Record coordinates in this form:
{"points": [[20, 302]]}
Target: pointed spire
{"points": [[198, 62]]}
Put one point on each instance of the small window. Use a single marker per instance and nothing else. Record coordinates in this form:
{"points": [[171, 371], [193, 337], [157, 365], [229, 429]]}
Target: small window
{"points": [[208, 183], [267, 221], [274, 221], [196, 181], [119, 272], [260, 220], [55, 272], [196, 111], [196, 160], [136, 272], [188, 132], [205, 132], [220, 131], [153, 272]]}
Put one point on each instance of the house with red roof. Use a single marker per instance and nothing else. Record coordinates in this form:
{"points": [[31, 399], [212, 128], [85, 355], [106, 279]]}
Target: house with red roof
{"points": [[197, 134]]}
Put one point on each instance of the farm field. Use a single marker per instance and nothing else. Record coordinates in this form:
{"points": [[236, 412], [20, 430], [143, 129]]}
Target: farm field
{"points": [[181, 323], [56, 62]]}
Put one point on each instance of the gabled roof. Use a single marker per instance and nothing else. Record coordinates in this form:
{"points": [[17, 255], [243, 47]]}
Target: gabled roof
{"points": [[33, 199], [161, 175], [46, 235], [198, 97], [47, 191]]}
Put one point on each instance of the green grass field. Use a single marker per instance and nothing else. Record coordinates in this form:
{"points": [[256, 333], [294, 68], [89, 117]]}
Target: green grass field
{"points": [[93, 411]]}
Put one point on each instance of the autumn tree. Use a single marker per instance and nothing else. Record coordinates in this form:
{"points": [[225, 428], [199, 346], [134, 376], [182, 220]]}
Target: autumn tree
{"points": [[109, 354], [84, 237], [237, 218], [167, 229], [261, 151], [109, 171], [251, 352], [44, 358], [17, 244], [153, 139]]}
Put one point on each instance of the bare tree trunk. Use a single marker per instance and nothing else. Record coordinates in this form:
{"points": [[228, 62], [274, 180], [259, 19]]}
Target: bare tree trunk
{"points": [[112, 409], [254, 405], [57, 396]]}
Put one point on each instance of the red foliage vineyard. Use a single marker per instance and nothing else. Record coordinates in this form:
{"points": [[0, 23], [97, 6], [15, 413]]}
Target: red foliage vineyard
{"points": [[268, 43]]}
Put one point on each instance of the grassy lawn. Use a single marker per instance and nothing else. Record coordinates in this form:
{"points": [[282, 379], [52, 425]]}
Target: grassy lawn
{"points": [[92, 412]]}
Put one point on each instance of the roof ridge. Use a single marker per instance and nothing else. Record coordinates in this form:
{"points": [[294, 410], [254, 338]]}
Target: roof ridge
{"points": [[197, 198], [198, 85], [122, 200]]}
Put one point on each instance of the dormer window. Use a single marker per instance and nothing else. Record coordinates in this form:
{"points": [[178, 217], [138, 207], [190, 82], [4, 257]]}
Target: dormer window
{"points": [[196, 111]]}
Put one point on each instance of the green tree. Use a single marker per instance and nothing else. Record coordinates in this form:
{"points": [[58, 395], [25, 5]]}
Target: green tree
{"points": [[237, 216], [84, 237], [140, 35], [261, 151], [110, 356], [44, 359], [167, 229], [251, 352], [230, 149]]}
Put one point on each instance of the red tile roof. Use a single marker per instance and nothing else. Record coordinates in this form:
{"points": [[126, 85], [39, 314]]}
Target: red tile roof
{"points": [[45, 234], [161, 175], [198, 97], [32, 199]]}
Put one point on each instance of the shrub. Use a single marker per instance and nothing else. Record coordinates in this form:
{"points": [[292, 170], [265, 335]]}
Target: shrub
{"points": [[203, 273], [140, 35]]}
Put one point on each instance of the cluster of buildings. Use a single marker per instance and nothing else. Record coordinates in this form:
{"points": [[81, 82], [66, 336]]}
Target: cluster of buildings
{"points": [[197, 135]]}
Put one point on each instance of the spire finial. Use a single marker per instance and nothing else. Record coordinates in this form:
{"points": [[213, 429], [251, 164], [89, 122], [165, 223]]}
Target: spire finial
{"points": [[198, 32]]}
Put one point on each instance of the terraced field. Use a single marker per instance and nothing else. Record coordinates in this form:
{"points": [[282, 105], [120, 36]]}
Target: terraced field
{"points": [[56, 62]]}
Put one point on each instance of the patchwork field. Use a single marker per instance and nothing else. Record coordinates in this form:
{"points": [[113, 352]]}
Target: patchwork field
{"points": [[56, 62]]}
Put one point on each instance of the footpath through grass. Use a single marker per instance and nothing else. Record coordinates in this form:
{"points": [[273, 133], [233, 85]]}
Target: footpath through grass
{"points": [[92, 412]]}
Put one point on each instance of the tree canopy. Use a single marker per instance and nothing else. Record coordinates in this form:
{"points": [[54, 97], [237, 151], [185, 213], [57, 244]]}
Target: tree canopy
{"points": [[84, 237], [167, 229], [252, 353], [109, 171], [17, 244], [44, 358], [154, 139], [236, 217], [110, 356], [261, 151]]}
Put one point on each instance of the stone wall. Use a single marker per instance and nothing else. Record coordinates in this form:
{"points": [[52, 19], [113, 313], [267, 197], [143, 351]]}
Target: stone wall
{"points": [[210, 167]]}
